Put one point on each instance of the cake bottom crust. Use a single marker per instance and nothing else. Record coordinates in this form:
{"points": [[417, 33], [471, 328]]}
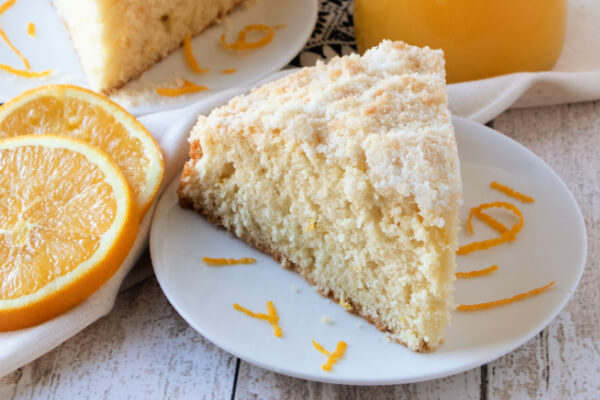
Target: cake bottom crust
{"points": [[186, 202]]}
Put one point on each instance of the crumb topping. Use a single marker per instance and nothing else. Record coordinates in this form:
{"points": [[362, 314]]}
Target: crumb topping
{"points": [[402, 135]]}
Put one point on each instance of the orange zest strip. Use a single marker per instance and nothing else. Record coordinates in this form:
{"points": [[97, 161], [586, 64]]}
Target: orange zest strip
{"points": [[490, 221], [5, 6], [512, 193], [189, 56], [311, 225], [505, 237], [228, 261], [13, 48], [478, 272], [272, 311], [23, 73], [31, 29], [511, 207], [242, 44], [188, 87], [271, 317], [320, 348], [501, 302], [335, 356], [482, 245], [279, 26], [229, 71], [251, 313]]}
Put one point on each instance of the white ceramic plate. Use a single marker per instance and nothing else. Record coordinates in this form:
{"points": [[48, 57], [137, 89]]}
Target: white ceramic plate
{"points": [[551, 246], [51, 49]]}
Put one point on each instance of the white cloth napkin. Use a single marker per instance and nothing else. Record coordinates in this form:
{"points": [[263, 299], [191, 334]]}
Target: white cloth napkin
{"points": [[576, 77]]}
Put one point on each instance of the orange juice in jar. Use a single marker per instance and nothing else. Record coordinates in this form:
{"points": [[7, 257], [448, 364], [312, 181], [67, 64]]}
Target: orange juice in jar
{"points": [[480, 38]]}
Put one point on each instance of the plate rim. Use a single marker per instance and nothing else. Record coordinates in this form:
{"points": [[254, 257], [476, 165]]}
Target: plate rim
{"points": [[164, 203]]}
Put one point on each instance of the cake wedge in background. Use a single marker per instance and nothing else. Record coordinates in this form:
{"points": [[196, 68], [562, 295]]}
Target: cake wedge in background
{"points": [[347, 173], [117, 40]]}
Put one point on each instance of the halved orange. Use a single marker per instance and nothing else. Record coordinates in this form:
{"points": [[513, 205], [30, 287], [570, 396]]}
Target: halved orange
{"points": [[68, 219], [82, 114]]}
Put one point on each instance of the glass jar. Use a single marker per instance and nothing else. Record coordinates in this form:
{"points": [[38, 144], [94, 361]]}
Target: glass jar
{"points": [[480, 38]]}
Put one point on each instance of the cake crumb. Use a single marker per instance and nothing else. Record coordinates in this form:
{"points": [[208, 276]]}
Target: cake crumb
{"points": [[311, 225], [359, 325], [31, 29], [326, 320], [345, 304], [295, 289]]}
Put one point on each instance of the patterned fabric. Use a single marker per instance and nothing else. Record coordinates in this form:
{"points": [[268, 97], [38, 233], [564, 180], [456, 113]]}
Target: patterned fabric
{"points": [[333, 34]]}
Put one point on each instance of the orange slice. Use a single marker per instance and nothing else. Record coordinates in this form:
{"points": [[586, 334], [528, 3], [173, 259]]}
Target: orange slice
{"points": [[67, 221], [82, 114]]}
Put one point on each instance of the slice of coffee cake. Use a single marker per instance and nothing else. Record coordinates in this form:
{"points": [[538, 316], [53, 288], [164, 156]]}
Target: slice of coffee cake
{"points": [[117, 40], [347, 173]]}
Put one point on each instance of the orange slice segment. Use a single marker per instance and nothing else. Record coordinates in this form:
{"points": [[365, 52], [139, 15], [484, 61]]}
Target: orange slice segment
{"points": [[67, 221], [85, 115]]}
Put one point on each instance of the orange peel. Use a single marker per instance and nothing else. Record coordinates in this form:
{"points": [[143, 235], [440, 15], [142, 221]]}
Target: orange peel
{"points": [[271, 316], [272, 311], [189, 56], [15, 50], [242, 44], [319, 347], [6, 5], [475, 273], [507, 236], [502, 302], [335, 356], [186, 88], [25, 73], [511, 192], [228, 261], [487, 219]]}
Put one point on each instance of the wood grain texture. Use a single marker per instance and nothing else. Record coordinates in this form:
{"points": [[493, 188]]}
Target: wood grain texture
{"points": [[143, 349], [564, 360], [257, 383]]}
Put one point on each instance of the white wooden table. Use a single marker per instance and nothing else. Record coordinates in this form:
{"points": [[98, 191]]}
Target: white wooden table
{"points": [[144, 350]]}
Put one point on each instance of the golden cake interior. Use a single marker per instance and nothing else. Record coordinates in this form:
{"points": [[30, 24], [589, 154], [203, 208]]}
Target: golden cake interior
{"points": [[117, 40], [349, 174]]}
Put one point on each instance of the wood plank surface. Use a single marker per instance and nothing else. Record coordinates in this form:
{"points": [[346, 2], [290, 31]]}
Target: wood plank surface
{"points": [[144, 350], [257, 383], [564, 360]]}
